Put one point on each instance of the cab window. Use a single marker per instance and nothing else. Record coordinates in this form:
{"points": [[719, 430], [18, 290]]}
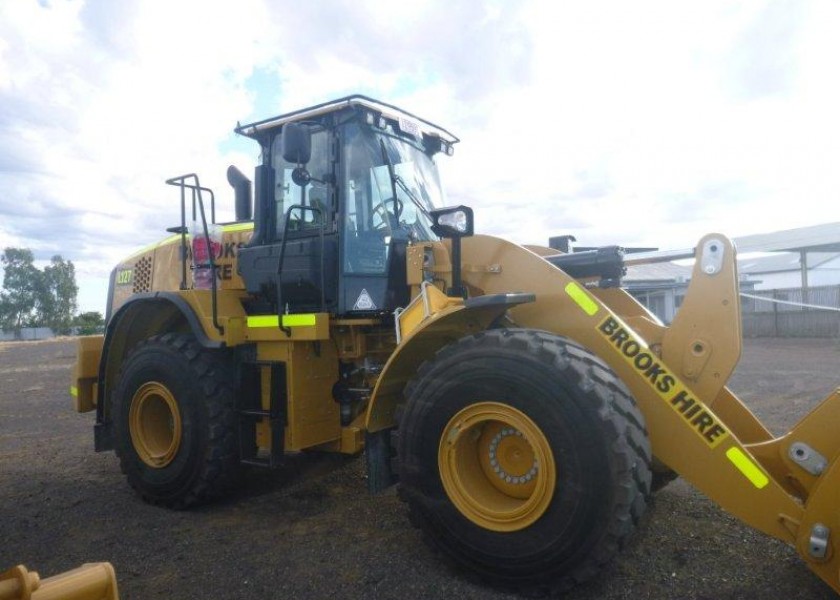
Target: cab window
{"points": [[316, 197]]}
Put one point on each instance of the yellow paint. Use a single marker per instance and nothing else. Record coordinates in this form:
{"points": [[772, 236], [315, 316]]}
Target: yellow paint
{"points": [[86, 372], [744, 464], [154, 422], [504, 501], [91, 581], [169, 240], [635, 351], [581, 298]]}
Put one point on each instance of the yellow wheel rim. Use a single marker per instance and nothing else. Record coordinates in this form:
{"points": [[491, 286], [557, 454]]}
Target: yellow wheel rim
{"points": [[496, 466], [155, 424]]}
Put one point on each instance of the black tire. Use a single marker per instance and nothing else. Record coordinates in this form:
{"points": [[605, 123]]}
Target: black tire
{"points": [[204, 463], [662, 475], [596, 436]]}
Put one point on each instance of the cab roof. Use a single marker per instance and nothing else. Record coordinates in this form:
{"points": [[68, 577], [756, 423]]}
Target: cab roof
{"points": [[253, 130]]}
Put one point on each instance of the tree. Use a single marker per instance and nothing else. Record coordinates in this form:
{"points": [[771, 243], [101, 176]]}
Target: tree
{"points": [[31, 297], [89, 323], [21, 283], [57, 295]]}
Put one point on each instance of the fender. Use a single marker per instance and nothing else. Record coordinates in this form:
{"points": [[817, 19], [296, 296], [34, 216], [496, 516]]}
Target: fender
{"points": [[433, 333], [141, 317]]}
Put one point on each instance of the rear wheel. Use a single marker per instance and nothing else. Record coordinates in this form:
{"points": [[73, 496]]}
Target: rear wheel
{"points": [[523, 458], [174, 421]]}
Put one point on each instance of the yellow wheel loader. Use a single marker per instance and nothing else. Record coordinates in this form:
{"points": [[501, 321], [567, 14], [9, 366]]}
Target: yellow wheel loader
{"points": [[91, 581], [524, 403]]}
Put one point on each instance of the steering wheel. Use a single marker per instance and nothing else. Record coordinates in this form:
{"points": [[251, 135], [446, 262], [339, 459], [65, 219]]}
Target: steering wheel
{"points": [[390, 219]]}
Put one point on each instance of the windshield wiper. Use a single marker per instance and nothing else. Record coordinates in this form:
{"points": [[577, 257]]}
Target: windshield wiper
{"points": [[397, 180]]}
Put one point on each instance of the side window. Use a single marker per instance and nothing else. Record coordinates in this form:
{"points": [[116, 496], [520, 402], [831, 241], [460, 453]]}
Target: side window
{"points": [[366, 232], [315, 195]]}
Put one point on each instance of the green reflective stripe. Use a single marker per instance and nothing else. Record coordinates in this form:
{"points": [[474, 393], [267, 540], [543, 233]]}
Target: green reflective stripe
{"points": [[288, 321], [298, 320], [581, 298], [238, 227], [74, 391], [750, 470], [156, 245], [232, 228], [269, 321]]}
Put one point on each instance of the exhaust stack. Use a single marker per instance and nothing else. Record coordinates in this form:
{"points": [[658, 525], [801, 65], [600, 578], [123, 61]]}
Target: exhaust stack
{"points": [[241, 193]]}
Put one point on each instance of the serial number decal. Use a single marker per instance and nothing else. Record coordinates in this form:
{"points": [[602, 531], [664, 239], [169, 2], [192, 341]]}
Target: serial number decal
{"points": [[124, 276], [695, 414]]}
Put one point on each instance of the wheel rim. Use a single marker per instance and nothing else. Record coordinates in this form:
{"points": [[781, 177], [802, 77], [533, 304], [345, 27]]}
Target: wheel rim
{"points": [[155, 424], [496, 466]]}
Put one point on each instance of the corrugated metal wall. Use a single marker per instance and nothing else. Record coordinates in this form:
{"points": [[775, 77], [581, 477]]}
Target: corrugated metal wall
{"points": [[766, 318]]}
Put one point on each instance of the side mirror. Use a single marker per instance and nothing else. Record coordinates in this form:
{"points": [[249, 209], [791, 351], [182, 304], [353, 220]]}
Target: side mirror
{"points": [[296, 143]]}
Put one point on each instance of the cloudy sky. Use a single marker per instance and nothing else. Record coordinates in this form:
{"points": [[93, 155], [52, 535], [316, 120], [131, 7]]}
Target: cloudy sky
{"points": [[635, 123]]}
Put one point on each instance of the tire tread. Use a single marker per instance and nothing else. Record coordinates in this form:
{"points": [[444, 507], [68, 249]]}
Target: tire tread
{"points": [[618, 413]]}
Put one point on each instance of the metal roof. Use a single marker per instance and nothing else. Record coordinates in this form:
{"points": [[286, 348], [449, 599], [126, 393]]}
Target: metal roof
{"points": [[816, 238], [783, 262], [388, 110], [665, 271]]}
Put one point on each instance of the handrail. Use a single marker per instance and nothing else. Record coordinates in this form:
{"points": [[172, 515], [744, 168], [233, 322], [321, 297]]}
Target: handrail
{"points": [[196, 189]]}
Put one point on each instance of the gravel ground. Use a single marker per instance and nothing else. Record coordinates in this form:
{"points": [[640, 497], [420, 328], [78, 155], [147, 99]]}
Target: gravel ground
{"points": [[311, 531]]}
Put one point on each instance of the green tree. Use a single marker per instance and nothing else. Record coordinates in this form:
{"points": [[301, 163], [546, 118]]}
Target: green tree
{"points": [[21, 284], [89, 323], [31, 297], [57, 295]]}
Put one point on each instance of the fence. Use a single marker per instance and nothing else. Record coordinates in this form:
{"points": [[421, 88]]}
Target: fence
{"points": [[792, 312], [27, 333]]}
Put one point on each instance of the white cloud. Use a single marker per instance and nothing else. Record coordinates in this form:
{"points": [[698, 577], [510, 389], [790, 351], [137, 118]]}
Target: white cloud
{"points": [[643, 123]]}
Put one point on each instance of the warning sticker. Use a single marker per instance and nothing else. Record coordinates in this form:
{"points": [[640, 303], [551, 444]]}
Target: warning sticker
{"points": [[364, 302]]}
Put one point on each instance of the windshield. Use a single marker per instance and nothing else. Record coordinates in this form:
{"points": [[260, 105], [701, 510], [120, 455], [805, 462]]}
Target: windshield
{"points": [[391, 185]]}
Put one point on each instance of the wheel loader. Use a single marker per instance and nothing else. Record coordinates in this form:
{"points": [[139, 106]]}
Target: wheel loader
{"points": [[91, 581], [524, 403]]}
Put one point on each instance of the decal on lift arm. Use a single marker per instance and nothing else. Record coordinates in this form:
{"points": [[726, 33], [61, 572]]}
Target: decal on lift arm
{"points": [[695, 414]]}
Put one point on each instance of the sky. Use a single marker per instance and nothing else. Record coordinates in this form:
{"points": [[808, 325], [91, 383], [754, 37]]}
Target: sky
{"points": [[646, 123]]}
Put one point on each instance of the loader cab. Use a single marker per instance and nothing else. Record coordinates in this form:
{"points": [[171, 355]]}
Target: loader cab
{"points": [[341, 192]]}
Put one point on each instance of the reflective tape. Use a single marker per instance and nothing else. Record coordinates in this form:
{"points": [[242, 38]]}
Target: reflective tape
{"points": [[744, 464], [288, 321], [248, 226], [268, 321], [581, 298], [299, 320]]}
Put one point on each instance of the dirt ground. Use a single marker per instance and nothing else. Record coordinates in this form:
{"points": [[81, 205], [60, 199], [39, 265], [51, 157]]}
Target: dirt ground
{"points": [[311, 531]]}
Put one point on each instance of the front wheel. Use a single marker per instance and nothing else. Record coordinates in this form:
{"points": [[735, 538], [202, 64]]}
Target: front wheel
{"points": [[174, 421], [523, 458]]}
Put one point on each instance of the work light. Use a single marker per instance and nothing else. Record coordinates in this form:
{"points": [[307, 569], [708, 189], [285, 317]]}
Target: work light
{"points": [[453, 222]]}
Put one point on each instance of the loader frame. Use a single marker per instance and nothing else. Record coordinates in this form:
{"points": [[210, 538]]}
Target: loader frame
{"points": [[314, 375], [785, 486]]}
